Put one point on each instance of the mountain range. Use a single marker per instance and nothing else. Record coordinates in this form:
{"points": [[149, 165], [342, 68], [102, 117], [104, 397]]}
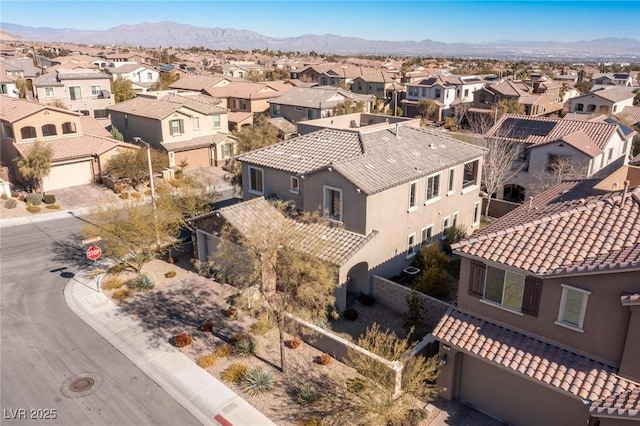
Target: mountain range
{"points": [[171, 34]]}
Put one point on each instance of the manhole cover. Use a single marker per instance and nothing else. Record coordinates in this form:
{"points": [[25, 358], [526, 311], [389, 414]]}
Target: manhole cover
{"points": [[81, 384]]}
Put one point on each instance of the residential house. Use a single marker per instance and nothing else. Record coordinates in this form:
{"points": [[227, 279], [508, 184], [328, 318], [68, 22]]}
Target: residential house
{"points": [[81, 145], [553, 149], [612, 79], [8, 84], [86, 91], [244, 99], [242, 69], [393, 189], [141, 77], [630, 115], [604, 101], [546, 330], [125, 57], [381, 84], [190, 128], [310, 74], [301, 103], [192, 82], [341, 76], [356, 120]]}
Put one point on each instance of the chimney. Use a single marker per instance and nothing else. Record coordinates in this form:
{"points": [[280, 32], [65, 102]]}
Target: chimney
{"points": [[530, 202], [398, 130], [624, 192]]}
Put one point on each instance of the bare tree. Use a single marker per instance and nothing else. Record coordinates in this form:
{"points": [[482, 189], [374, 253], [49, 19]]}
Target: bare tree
{"points": [[559, 168]]}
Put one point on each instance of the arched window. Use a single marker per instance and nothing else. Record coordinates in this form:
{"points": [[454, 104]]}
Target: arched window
{"points": [[579, 107], [604, 109], [591, 108], [68, 127], [28, 132], [49, 130]]}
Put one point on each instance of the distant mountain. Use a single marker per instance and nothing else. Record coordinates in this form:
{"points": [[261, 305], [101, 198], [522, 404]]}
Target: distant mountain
{"points": [[165, 34], [5, 36]]}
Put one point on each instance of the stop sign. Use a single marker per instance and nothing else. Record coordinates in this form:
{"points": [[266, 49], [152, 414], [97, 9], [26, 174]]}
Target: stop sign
{"points": [[94, 253]]}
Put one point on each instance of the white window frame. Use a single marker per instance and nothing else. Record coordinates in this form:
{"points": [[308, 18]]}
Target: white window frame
{"points": [[413, 193], [180, 127], [73, 89], [294, 188], [454, 218], [451, 181], [49, 92], [326, 188], [423, 242], [196, 123], [216, 121], [412, 247], [446, 224], [471, 185], [583, 308], [254, 190], [477, 206], [426, 192], [501, 305], [97, 92]]}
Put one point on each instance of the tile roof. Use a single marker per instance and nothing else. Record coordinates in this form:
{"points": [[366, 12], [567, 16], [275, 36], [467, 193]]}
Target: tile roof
{"points": [[378, 77], [167, 105], [199, 82], [631, 113], [337, 245], [127, 68], [243, 90], [325, 97], [14, 109], [67, 148], [613, 94], [199, 142], [531, 357], [570, 228], [372, 160], [93, 127], [622, 405], [630, 299]]}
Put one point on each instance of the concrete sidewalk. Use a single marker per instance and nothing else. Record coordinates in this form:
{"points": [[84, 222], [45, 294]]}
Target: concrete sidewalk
{"points": [[208, 399]]}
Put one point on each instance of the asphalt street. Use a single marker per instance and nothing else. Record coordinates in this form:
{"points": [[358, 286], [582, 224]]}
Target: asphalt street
{"points": [[55, 370]]}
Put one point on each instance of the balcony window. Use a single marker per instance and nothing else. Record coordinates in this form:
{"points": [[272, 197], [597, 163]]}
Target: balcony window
{"points": [[332, 203], [256, 184]]}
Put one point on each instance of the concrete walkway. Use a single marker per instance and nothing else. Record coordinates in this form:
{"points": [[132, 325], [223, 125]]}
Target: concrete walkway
{"points": [[208, 399]]}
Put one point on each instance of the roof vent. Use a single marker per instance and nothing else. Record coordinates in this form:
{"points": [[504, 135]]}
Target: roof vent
{"points": [[432, 145]]}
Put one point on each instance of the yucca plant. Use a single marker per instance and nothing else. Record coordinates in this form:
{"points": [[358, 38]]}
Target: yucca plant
{"points": [[142, 282], [258, 380], [308, 394], [245, 346]]}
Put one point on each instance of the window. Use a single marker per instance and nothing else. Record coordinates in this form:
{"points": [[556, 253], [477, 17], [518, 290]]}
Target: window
{"points": [[275, 109], [412, 247], [28, 132], [591, 108], [603, 109], [446, 223], [452, 180], [433, 187], [427, 235], [476, 213], [559, 163], [75, 94], [100, 113], [624, 147], [573, 306], [466, 92], [483, 98], [413, 196], [470, 176], [8, 131], [48, 92], [85, 112], [243, 105], [96, 90], [413, 91], [610, 154], [227, 150], [579, 107], [438, 93], [454, 219], [49, 130], [126, 121], [256, 184], [175, 127], [333, 203], [216, 121], [149, 76], [3, 89], [68, 127], [311, 114], [294, 185], [504, 288], [615, 108], [196, 123]]}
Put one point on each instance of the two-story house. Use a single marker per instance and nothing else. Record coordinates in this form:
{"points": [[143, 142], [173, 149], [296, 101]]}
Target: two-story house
{"points": [[8, 84], [191, 128], [556, 149], [301, 103], [610, 100], [142, 77], [242, 69], [81, 146], [381, 84], [612, 79], [340, 75], [85, 91], [546, 330], [395, 187]]}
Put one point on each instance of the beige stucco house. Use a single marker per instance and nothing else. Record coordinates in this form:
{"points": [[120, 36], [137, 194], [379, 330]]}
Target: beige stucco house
{"points": [[609, 100], [190, 127], [546, 330], [395, 187], [81, 145]]}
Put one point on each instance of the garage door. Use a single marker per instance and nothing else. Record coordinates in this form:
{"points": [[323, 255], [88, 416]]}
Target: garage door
{"points": [[516, 400], [66, 175]]}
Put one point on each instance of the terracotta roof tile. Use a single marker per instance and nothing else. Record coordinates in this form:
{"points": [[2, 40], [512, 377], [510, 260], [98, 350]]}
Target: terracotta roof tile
{"points": [[167, 105], [66, 148], [14, 109], [624, 404], [538, 360]]}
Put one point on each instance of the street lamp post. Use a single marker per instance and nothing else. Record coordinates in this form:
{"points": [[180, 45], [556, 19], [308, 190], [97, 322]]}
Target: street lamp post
{"points": [[153, 189]]}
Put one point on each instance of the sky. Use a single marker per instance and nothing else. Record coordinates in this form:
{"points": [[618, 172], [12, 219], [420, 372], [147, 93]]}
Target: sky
{"points": [[445, 20]]}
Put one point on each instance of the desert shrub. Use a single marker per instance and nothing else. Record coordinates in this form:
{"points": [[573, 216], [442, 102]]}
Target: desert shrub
{"points": [[34, 209], [245, 346], [33, 199], [142, 282], [49, 199], [207, 327], [367, 300], [121, 293], [350, 315], [310, 421], [136, 195], [147, 192], [414, 417], [238, 301], [323, 359], [435, 282], [170, 274], [454, 234], [224, 350], [182, 340], [413, 317], [112, 283], [117, 268], [124, 195], [307, 394], [119, 188], [261, 326], [207, 361], [53, 207], [258, 380], [430, 257], [356, 385], [11, 203], [235, 373], [294, 343], [22, 196]]}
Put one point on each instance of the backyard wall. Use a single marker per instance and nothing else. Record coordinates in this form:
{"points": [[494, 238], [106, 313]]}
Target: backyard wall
{"points": [[394, 296], [498, 208]]}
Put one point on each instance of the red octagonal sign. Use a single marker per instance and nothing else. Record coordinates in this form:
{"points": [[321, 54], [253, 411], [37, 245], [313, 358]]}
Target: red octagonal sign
{"points": [[94, 253]]}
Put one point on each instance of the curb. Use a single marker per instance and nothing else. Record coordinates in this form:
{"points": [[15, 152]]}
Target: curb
{"points": [[205, 397], [25, 220]]}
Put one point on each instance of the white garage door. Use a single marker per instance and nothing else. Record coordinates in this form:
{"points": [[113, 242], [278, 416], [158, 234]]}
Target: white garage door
{"points": [[66, 175]]}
